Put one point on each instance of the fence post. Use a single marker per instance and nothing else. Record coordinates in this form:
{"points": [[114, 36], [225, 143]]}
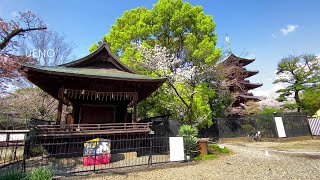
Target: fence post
{"points": [[150, 150], [95, 158], [274, 125], [26, 153]]}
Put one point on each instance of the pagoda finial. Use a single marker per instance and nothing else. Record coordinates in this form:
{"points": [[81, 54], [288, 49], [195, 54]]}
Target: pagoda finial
{"points": [[228, 43]]}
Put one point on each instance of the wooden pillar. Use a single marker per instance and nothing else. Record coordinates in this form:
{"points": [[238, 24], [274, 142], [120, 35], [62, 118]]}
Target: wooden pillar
{"points": [[125, 115], [59, 112], [135, 100], [135, 112]]}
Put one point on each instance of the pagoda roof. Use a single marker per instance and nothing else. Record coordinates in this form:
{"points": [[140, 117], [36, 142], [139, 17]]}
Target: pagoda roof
{"points": [[252, 73], [233, 59], [246, 97], [251, 85], [248, 85]]}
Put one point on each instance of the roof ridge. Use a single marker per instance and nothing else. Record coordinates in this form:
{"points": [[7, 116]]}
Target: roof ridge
{"points": [[116, 61]]}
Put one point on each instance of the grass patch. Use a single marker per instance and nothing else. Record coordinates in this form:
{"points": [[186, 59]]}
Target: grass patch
{"points": [[40, 173], [208, 156], [216, 148]]}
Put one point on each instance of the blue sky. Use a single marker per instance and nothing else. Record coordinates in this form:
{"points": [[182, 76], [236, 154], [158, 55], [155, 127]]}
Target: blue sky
{"points": [[267, 30]]}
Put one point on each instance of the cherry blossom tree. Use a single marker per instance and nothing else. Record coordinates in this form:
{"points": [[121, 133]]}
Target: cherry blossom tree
{"points": [[189, 83]]}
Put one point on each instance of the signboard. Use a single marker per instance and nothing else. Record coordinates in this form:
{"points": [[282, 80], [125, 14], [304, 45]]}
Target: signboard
{"points": [[176, 148], [13, 135], [97, 151], [280, 127], [17, 137], [97, 146]]}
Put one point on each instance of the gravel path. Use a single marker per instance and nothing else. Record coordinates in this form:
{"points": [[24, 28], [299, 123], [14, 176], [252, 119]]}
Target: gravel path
{"points": [[245, 162]]}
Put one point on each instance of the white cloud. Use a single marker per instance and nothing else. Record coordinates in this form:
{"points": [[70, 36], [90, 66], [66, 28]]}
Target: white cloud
{"points": [[289, 28]]}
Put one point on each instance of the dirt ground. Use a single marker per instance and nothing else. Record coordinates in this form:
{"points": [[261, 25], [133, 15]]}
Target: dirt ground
{"points": [[304, 145], [250, 160]]}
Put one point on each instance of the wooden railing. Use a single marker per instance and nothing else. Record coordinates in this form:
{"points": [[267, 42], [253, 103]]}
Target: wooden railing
{"points": [[93, 129]]}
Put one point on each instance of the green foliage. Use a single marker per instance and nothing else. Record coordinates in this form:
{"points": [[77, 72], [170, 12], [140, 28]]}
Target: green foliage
{"points": [[219, 104], [158, 103], [177, 25], [291, 106], [188, 131], [14, 175], [299, 72], [189, 35], [310, 101], [216, 148], [189, 134], [208, 156], [268, 111], [93, 47], [41, 173]]}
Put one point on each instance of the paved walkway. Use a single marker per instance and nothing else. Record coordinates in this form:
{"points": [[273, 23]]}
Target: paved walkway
{"points": [[245, 162]]}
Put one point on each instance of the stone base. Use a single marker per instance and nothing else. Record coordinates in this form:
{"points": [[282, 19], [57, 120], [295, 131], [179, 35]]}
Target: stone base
{"points": [[122, 156]]}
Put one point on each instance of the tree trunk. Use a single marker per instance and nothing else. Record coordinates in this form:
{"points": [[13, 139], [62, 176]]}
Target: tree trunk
{"points": [[297, 99], [190, 109]]}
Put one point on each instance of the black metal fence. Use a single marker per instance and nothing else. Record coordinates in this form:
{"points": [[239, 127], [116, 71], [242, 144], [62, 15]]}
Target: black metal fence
{"points": [[295, 124], [75, 155], [243, 126]]}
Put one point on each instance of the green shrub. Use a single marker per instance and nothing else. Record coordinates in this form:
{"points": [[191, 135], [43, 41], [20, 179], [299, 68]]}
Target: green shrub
{"points": [[208, 156], [41, 173], [187, 130], [216, 148], [190, 142], [13, 176]]}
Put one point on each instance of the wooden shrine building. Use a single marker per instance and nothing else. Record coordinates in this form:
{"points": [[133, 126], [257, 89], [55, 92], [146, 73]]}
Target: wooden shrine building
{"points": [[236, 81], [101, 90]]}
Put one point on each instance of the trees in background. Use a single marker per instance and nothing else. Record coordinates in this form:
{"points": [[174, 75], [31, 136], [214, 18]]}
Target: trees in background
{"points": [[54, 46], [10, 31], [29, 103], [299, 73], [310, 100], [185, 35]]}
